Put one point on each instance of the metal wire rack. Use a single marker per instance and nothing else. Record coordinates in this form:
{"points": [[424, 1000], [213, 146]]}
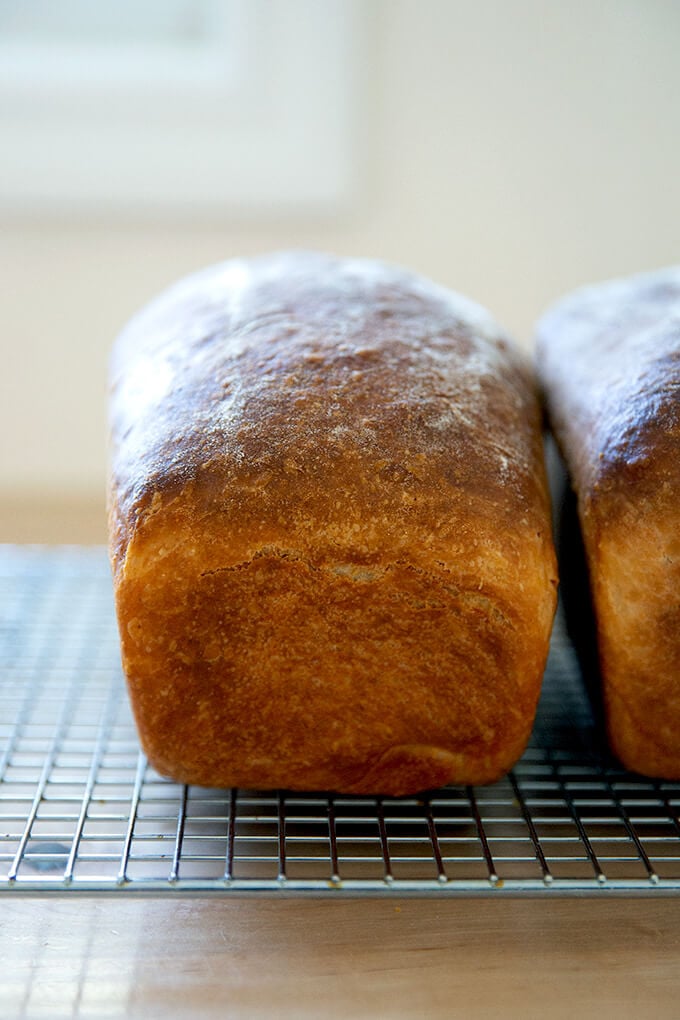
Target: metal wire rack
{"points": [[80, 809]]}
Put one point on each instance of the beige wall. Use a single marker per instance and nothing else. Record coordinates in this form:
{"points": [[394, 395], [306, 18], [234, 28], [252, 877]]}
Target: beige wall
{"points": [[512, 149]]}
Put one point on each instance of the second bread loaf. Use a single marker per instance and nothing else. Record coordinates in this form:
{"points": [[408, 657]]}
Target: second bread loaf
{"points": [[609, 359]]}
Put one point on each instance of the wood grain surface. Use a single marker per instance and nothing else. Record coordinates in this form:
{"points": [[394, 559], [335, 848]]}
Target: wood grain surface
{"points": [[67, 956], [52, 519]]}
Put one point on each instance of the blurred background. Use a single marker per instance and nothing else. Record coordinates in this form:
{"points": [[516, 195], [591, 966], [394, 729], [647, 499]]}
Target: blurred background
{"points": [[510, 149]]}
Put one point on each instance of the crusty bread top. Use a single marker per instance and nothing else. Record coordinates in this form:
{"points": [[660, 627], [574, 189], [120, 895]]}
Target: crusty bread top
{"points": [[268, 386], [609, 360]]}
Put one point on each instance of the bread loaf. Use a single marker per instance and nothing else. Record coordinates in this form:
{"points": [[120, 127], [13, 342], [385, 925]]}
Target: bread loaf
{"points": [[609, 361], [330, 531]]}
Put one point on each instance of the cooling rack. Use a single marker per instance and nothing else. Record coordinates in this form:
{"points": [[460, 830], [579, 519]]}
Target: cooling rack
{"points": [[81, 810]]}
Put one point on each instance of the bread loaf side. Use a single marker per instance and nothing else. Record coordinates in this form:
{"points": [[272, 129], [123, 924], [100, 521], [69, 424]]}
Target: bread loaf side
{"points": [[330, 532], [609, 360]]}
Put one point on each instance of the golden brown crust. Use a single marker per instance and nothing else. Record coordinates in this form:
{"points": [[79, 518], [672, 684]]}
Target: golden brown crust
{"points": [[609, 360], [329, 530]]}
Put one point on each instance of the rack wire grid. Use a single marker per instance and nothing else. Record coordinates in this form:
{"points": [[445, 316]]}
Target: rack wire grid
{"points": [[80, 809]]}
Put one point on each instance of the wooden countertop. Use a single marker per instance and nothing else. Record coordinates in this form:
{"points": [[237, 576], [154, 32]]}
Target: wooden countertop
{"points": [[52, 519], [189, 957]]}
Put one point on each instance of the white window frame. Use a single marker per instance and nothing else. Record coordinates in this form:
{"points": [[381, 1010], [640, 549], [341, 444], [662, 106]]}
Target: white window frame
{"points": [[261, 121]]}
